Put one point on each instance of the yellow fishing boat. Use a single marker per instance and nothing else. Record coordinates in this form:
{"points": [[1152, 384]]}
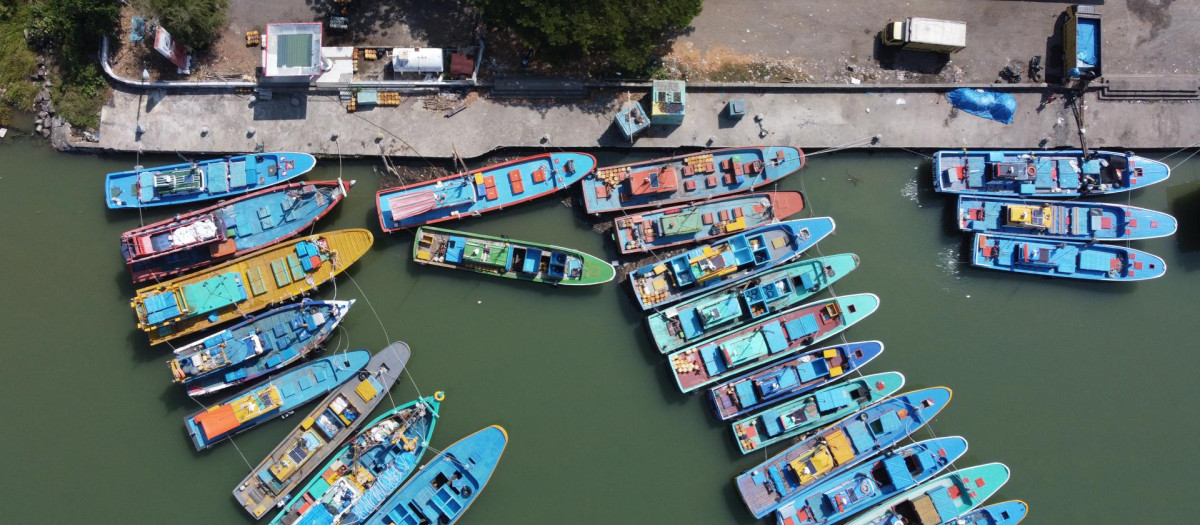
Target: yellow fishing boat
{"points": [[245, 285]]}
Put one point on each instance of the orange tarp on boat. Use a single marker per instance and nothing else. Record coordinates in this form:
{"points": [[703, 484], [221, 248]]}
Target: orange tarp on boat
{"points": [[217, 421], [653, 181]]}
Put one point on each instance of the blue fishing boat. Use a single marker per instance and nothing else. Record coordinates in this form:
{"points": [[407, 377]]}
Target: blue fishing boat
{"points": [[745, 301], [257, 346], [811, 412], [272, 398], [367, 470], [772, 339], [203, 180], [766, 386], [479, 191], [714, 265], [1006, 513], [446, 486], [779, 480], [1072, 259], [703, 220], [1069, 220], [334, 419], [870, 483], [1043, 173], [941, 500], [227, 229], [684, 178]]}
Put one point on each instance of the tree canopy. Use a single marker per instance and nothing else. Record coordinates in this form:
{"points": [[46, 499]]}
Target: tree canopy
{"points": [[194, 23], [625, 32]]}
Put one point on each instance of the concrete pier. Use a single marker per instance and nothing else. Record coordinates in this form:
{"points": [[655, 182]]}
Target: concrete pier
{"points": [[812, 120]]}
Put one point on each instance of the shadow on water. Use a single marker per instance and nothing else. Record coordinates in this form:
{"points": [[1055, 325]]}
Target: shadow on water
{"points": [[1184, 203]]}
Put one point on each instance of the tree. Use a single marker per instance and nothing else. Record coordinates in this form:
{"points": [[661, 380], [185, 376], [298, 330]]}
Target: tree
{"points": [[193, 23], [625, 32]]}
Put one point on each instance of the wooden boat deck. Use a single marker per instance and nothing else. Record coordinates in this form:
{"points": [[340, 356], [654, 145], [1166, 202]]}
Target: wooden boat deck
{"points": [[245, 285], [333, 421], [703, 221], [509, 258]]}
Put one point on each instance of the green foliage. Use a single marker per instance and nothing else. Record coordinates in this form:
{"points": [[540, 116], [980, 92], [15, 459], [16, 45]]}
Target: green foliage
{"points": [[73, 26], [194, 23], [18, 60], [625, 32]]}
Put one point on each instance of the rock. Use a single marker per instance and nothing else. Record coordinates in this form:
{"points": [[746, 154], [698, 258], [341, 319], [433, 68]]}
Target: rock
{"points": [[46, 132], [43, 114], [46, 83], [39, 128]]}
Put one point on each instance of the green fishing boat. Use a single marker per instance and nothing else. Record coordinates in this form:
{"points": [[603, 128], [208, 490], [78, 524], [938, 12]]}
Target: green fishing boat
{"points": [[528, 261]]}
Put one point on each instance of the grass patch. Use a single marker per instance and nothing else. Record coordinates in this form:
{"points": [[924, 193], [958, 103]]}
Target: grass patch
{"points": [[18, 60]]}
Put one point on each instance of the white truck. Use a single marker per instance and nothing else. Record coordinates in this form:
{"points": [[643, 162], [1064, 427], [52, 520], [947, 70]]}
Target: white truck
{"points": [[926, 34]]}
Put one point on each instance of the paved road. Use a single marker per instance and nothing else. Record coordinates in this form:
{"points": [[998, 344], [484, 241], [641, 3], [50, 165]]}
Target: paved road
{"points": [[824, 36], [812, 121]]}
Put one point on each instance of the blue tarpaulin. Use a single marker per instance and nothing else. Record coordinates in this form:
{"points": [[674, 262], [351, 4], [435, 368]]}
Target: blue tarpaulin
{"points": [[987, 104]]}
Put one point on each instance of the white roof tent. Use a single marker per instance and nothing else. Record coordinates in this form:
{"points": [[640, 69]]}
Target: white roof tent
{"points": [[417, 60], [293, 50]]}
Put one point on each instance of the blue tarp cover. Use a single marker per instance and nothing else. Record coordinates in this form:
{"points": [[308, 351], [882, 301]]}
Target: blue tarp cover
{"points": [[1086, 42], [987, 104]]}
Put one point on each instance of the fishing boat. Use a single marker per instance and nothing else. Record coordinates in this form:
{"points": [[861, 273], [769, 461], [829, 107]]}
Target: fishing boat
{"points": [[1068, 220], [203, 180], [1073, 259], [1006, 513], [940, 500], [272, 398], [872, 482], [788, 474], [813, 411], [785, 380], [367, 470], [237, 288], [714, 265], [257, 346], [771, 339], [684, 178], [442, 490], [1043, 173], [703, 221], [228, 229], [745, 301], [482, 190], [504, 257], [324, 429]]}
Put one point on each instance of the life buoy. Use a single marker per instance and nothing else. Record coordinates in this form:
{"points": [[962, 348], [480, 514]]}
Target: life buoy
{"points": [[1031, 171], [439, 396], [466, 492]]}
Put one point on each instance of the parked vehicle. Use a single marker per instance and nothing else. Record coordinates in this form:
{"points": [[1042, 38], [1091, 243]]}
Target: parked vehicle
{"points": [[926, 34]]}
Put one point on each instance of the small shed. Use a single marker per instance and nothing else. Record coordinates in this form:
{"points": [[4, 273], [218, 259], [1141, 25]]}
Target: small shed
{"points": [[668, 99], [417, 60], [631, 120]]}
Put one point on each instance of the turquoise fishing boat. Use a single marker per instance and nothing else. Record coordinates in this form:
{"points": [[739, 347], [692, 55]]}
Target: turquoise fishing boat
{"points": [[1006, 513], [257, 346], [510, 258], [714, 265], [940, 500], [872, 482], [861, 436], [1072, 259], [769, 340], [703, 220], [684, 178], [203, 180], [272, 398], [1068, 220], [324, 429], [479, 191], [368, 469], [813, 411], [745, 301], [445, 487], [761, 388], [228, 229], [1043, 173]]}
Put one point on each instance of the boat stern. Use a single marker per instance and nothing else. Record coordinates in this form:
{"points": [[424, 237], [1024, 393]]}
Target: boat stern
{"points": [[345, 365], [1141, 223], [1141, 266], [786, 203], [883, 385], [1006, 513], [863, 352], [120, 190], [983, 481], [301, 163], [928, 402], [807, 232], [949, 448], [857, 307]]}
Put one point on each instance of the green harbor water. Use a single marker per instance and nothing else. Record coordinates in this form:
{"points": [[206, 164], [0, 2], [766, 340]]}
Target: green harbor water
{"points": [[1084, 389]]}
